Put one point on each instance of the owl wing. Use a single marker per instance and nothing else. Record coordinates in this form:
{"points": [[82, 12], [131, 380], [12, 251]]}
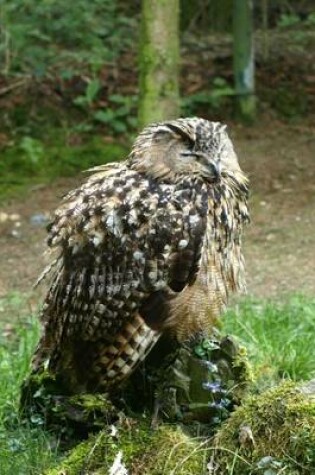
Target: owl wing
{"points": [[177, 247], [126, 245]]}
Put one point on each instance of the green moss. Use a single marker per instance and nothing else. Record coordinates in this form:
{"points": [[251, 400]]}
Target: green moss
{"points": [[44, 400], [172, 451], [275, 428], [153, 452], [169, 448], [76, 461], [270, 433]]}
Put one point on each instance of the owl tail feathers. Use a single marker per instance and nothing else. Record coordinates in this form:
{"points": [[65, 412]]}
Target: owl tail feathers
{"points": [[95, 366], [61, 378], [116, 362]]}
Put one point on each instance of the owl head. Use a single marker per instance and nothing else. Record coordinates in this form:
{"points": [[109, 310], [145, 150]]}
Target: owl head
{"points": [[172, 150]]}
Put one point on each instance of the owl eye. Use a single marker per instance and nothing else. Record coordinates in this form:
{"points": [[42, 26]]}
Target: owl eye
{"points": [[200, 157], [187, 155]]}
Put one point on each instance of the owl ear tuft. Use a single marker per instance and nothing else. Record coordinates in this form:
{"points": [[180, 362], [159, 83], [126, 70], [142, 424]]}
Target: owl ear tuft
{"points": [[187, 133]]}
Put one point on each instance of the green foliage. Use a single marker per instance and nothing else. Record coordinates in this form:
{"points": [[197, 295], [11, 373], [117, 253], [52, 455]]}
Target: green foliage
{"points": [[30, 160], [119, 116], [39, 38], [24, 450], [63, 51], [216, 98], [279, 336], [288, 19], [310, 21], [289, 103], [32, 150], [291, 19], [92, 89], [205, 347], [45, 402]]}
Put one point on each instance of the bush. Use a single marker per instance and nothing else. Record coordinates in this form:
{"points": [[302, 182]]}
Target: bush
{"points": [[56, 36]]}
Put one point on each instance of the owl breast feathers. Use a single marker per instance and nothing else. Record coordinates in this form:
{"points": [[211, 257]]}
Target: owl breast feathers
{"points": [[145, 246]]}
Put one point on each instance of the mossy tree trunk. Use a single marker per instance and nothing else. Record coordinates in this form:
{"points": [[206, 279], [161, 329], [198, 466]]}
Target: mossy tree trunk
{"points": [[244, 59], [159, 61]]}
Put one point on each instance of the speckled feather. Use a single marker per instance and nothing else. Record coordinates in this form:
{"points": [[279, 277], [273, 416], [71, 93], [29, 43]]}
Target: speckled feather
{"points": [[145, 246]]}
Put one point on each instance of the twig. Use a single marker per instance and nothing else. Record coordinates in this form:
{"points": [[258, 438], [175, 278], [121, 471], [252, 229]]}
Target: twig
{"points": [[13, 86]]}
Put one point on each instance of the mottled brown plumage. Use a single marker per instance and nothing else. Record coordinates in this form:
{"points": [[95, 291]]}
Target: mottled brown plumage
{"points": [[145, 246]]}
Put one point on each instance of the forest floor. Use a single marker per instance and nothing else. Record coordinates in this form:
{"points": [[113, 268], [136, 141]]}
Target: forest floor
{"points": [[279, 244]]}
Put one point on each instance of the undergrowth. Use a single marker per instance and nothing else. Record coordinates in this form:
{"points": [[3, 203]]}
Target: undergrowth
{"points": [[278, 336], [45, 38], [31, 160]]}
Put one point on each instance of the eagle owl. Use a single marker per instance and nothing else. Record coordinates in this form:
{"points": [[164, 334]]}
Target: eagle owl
{"points": [[145, 246]]}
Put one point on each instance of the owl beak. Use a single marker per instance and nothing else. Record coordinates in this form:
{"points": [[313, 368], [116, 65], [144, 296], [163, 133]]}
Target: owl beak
{"points": [[212, 172]]}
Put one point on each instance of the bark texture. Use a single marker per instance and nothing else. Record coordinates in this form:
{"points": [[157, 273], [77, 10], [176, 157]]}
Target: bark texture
{"points": [[159, 61]]}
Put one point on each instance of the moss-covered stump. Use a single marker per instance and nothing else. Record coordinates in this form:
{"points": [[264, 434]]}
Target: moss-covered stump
{"points": [[198, 381], [135, 449], [272, 433], [203, 381]]}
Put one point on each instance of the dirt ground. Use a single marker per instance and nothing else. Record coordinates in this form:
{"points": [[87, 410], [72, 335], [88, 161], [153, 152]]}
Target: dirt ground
{"points": [[279, 244]]}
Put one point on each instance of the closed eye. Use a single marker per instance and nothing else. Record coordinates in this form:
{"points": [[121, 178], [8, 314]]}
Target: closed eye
{"points": [[187, 156], [199, 156], [187, 153]]}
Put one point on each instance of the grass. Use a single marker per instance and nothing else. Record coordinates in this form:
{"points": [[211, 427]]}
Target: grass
{"points": [[278, 336], [24, 449]]}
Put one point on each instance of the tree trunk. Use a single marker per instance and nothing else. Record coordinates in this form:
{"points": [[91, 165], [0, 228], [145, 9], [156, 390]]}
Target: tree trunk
{"points": [[159, 61], [244, 59]]}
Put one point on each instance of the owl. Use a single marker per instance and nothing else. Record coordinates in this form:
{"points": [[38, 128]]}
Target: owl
{"points": [[145, 247]]}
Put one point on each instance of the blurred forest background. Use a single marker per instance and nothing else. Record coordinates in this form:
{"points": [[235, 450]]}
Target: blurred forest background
{"points": [[69, 100], [69, 73]]}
